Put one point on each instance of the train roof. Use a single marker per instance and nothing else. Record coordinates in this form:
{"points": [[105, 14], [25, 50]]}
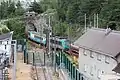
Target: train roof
{"points": [[58, 38], [37, 34]]}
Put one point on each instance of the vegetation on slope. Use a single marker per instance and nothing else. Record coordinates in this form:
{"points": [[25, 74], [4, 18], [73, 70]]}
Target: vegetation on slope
{"points": [[68, 17], [70, 14], [8, 10]]}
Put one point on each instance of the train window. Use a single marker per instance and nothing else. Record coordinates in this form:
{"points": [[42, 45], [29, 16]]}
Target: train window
{"points": [[32, 35], [60, 43], [39, 37], [36, 37]]}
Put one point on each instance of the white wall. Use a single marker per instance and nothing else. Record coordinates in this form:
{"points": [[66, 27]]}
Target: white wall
{"points": [[7, 48], [94, 67]]}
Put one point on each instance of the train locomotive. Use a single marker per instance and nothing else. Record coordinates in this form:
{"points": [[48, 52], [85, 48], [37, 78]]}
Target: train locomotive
{"points": [[59, 43]]}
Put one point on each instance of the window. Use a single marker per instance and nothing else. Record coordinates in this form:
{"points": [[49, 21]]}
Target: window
{"points": [[91, 54], [91, 72], [84, 52], [67, 42], [99, 57], [85, 67], [107, 59], [0, 42], [5, 46], [7, 42], [99, 74]]}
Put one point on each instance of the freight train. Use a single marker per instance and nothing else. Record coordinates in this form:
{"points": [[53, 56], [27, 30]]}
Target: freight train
{"points": [[59, 43]]}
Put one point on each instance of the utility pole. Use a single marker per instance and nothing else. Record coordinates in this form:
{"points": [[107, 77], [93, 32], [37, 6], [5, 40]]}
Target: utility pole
{"points": [[54, 55], [85, 24], [94, 20], [49, 28], [97, 20]]}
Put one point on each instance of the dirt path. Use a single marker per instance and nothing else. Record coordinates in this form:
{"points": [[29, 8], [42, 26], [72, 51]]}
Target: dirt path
{"points": [[23, 71]]}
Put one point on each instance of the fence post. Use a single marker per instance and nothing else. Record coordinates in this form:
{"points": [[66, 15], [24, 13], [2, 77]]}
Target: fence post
{"points": [[33, 59], [71, 71], [60, 59], [27, 57], [24, 50], [44, 58]]}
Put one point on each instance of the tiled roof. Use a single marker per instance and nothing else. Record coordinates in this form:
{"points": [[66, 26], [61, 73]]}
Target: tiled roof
{"points": [[97, 40], [6, 36]]}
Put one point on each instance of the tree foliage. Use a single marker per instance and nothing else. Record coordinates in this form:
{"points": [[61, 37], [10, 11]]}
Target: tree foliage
{"points": [[3, 29], [73, 11], [10, 9], [36, 7]]}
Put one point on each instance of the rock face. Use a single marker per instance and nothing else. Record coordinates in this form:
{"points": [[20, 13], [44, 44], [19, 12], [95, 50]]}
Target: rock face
{"points": [[35, 22]]}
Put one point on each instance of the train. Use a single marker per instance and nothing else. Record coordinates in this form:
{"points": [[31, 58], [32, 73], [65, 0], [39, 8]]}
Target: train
{"points": [[58, 42]]}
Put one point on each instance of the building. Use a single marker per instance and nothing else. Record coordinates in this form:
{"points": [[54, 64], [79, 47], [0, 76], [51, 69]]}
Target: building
{"points": [[4, 40], [5, 53], [99, 53]]}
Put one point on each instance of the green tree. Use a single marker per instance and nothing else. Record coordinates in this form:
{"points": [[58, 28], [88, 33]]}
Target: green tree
{"points": [[19, 9], [36, 7], [3, 29], [18, 27]]}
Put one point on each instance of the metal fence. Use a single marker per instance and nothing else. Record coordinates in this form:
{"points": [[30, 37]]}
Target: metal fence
{"points": [[64, 62], [22, 47], [21, 43]]}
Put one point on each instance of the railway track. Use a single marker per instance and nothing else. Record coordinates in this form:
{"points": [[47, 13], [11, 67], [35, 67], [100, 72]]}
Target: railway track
{"points": [[42, 72]]}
